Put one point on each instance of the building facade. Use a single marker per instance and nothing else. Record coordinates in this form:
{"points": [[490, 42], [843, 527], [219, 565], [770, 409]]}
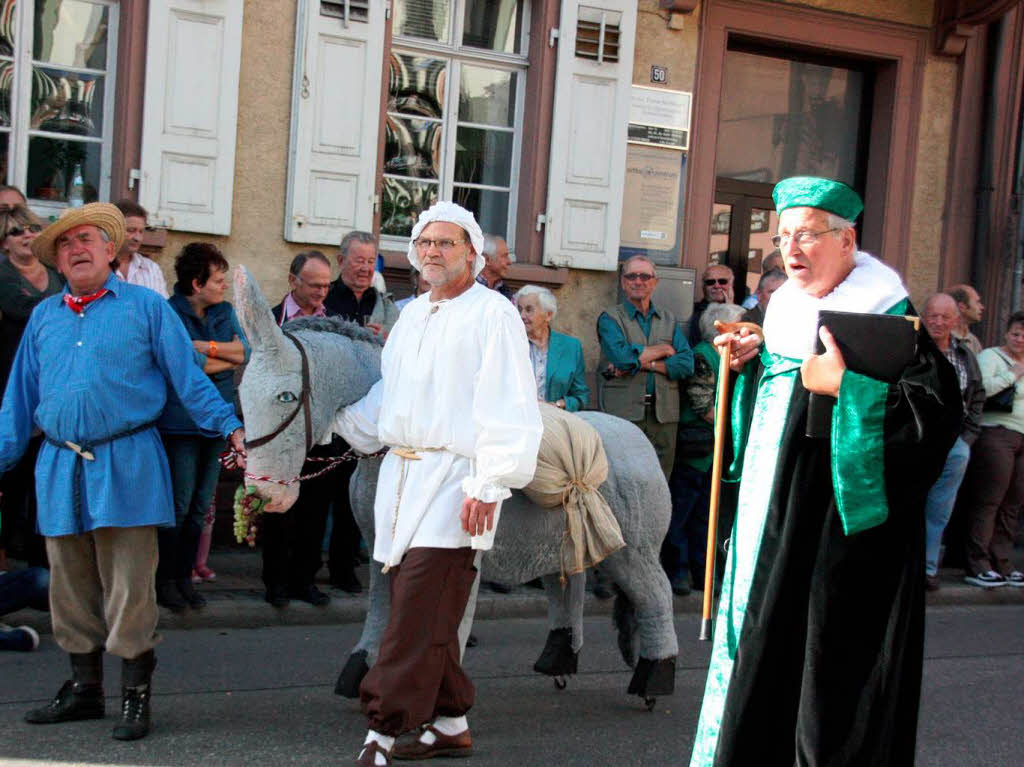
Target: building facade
{"points": [[581, 130]]}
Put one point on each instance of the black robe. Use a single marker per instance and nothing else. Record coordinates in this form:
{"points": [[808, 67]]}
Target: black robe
{"points": [[828, 652]]}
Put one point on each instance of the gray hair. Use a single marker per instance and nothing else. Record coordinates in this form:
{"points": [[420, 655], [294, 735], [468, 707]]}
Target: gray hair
{"points": [[638, 257], [490, 246], [771, 274], [545, 298], [839, 223], [720, 313], [356, 235]]}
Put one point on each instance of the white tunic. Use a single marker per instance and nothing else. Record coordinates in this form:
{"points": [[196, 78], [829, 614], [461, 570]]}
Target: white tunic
{"points": [[455, 375]]}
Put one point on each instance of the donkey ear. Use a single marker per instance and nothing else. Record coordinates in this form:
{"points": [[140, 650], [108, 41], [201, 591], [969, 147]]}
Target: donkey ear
{"points": [[254, 313]]}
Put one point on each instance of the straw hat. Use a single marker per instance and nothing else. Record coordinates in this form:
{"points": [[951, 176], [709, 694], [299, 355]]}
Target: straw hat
{"points": [[99, 214]]}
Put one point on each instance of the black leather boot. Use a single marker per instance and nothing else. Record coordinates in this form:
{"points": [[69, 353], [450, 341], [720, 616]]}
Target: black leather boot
{"points": [[81, 697], [168, 595], [136, 676], [188, 592]]}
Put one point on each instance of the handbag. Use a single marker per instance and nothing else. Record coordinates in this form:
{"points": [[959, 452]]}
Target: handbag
{"points": [[1001, 401]]}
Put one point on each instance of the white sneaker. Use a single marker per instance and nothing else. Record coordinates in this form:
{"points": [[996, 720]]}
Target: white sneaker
{"points": [[987, 580], [1016, 578]]}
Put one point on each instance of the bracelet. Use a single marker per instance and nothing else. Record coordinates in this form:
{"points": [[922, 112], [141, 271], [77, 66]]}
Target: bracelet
{"points": [[212, 351]]}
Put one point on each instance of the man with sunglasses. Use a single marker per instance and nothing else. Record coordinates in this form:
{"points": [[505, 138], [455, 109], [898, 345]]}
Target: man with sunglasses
{"points": [[130, 265], [716, 287], [644, 356], [819, 639]]}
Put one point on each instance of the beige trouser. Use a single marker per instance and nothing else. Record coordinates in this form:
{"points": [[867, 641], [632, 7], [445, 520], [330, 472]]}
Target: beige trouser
{"points": [[662, 436], [102, 590]]}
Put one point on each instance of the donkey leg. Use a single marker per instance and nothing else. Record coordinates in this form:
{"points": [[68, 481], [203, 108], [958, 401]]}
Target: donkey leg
{"points": [[466, 624], [560, 655], [364, 654], [644, 616]]}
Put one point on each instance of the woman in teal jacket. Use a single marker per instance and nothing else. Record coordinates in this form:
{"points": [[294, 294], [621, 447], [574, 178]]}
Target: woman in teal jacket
{"points": [[557, 358]]}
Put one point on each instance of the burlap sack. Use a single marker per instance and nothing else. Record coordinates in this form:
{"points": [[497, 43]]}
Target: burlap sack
{"points": [[571, 466]]}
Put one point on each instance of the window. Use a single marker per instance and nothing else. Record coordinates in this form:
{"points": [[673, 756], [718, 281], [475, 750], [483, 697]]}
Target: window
{"points": [[454, 111], [57, 63]]}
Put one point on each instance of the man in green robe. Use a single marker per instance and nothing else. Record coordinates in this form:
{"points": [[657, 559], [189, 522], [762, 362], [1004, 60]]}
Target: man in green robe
{"points": [[818, 642]]}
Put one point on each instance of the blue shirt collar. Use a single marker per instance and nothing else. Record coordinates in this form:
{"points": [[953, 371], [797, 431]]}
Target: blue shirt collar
{"points": [[113, 284], [634, 313]]}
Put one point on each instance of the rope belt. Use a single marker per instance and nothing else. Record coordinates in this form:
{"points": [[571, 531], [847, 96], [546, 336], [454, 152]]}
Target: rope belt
{"points": [[84, 452], [406, 454]]}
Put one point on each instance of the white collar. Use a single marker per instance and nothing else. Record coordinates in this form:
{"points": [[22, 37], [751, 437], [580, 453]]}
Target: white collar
{"points": [[791, 321]]}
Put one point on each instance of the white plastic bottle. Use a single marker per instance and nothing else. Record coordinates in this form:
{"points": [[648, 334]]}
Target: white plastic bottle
{"points": [[77, 196]]}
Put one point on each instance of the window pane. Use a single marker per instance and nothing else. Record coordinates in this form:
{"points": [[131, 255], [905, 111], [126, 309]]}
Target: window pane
{"points": [[426, 19], [784, 118], [65, 102], [483, 156], [487, 96], [51, 166], [6, 80], [489, 207], [4, 141], [412, 147], [71, 33], [7, 27], [401, 203], [493, 24], [721, 223], [416, 85]]}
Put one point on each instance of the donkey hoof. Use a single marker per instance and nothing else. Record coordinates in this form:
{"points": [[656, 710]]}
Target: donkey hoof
{"points": [[560, 682], [355, 669], [650, 703]]}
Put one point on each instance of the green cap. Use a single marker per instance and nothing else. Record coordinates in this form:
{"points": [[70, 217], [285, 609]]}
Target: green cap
{"points": [[822, 193]]}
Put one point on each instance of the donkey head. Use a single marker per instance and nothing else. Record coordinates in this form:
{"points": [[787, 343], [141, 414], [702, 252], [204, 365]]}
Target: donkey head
{"points": [[270, 392]]}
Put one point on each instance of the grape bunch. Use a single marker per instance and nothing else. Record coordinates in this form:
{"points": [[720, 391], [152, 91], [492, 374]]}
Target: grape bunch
{"points": [[248, 507]]}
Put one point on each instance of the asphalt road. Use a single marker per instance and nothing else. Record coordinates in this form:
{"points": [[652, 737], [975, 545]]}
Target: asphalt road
{"points": [[264, 697]]}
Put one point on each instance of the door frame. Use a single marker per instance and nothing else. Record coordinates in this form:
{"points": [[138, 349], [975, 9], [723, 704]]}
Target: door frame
{"points": [[898, 54]]}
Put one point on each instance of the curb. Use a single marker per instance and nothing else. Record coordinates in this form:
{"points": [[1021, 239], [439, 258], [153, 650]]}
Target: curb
{"points": [[245, 608]]}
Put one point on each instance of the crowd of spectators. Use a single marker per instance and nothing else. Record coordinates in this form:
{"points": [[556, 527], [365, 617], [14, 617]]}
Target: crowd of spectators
{"points": [[656, 370]]}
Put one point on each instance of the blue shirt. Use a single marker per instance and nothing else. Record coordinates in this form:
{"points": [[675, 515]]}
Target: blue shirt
{"points": [[219, 324], [87, 377], [626, 356]]}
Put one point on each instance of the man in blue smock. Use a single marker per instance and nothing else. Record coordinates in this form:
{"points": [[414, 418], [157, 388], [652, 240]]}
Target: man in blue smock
{"points": [[92, 373], [644, 356]]}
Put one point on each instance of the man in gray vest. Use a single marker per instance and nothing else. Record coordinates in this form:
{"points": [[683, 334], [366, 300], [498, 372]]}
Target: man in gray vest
{"points": [[644, 356]]}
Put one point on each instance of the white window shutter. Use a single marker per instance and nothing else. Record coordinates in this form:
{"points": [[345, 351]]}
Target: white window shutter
{"points": [[332, 157], [586, 175], [190, 117]]}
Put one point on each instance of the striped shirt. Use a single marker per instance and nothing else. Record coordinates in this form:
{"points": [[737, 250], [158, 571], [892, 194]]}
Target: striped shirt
{"points": [[145, 272]]}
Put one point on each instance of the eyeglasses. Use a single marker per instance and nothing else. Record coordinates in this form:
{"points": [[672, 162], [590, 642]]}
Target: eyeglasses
{"points": [[17, 231], [803, 238], [723, 281], [638, 276], [445, 246]]}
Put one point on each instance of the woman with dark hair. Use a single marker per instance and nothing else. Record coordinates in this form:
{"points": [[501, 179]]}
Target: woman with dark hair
{"points": [[996, 471], [193, 454], [24, 282]]}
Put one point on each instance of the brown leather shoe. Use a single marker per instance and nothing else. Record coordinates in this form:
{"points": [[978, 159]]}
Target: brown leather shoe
{"points": [[444, 745], [368, 756]]}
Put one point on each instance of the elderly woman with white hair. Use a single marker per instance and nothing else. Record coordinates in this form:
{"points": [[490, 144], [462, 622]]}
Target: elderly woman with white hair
{"points": [[683, 553], [557, 359]]}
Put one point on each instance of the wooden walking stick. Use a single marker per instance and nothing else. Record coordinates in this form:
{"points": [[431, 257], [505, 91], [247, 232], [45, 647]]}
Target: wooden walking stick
{"points": [[721, 414]]}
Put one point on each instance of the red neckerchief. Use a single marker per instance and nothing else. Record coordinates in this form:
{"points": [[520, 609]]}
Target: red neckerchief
{"points": [[78, 303]]}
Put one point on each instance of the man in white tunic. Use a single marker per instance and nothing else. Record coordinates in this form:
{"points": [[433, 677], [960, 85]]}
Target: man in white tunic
{"points": [[457, 405]]}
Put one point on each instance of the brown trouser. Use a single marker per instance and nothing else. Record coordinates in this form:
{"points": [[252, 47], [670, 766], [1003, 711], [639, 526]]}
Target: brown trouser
{"points": [[662, 436], [997, 490], [418, 676], [102, 591]]}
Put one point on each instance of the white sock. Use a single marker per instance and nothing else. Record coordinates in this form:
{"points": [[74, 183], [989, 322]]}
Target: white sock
{"points": [[386, 742], [451, 725]]}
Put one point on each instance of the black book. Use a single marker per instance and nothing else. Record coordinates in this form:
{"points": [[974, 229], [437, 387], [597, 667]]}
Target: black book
{"points": [[879, 346]]}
